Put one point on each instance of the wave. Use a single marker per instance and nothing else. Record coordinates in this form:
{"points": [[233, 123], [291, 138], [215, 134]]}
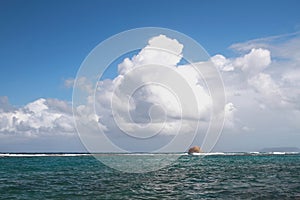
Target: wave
{"points": [[41, 154], [243, 153], [145, 154]]}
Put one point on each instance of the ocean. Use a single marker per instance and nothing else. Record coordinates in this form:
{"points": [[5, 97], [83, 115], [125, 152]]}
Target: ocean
{"points": [[216, 176]]}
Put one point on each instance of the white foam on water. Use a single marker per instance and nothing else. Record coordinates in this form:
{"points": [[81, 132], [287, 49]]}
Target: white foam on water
{"points": [[254, 152], [278, 153], [39, 154], [143, 154]]}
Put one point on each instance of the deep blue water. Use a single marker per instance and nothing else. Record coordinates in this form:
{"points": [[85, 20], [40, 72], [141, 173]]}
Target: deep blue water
{"points": [[218, 176]]}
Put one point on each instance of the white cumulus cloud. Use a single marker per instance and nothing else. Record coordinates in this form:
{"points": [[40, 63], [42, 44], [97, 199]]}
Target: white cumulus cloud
{"points": [[40, 117], [155, 104], [261, 85]]}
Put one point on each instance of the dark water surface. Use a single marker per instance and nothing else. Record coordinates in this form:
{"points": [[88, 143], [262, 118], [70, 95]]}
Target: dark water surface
{"points": [[218, 176]]}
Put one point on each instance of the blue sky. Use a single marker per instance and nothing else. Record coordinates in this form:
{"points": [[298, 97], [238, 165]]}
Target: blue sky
{"points": [[44, 42], [254, 44]]}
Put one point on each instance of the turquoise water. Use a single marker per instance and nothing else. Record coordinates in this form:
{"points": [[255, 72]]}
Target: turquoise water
{"points": [[216, 176]]}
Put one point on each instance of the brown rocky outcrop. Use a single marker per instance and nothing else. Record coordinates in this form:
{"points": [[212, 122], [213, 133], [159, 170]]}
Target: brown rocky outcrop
{"points": [[195, 149]]}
